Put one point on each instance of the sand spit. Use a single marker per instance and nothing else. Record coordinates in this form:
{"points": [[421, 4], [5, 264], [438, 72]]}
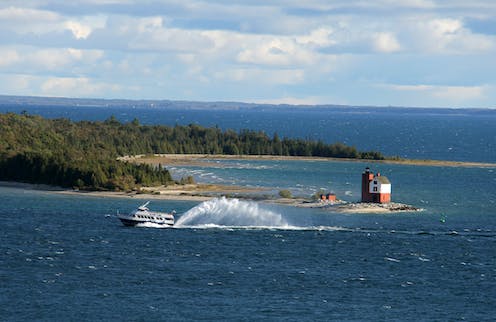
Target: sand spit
{"points": [[188, 192], [206, 160], [204, 192], [342, 206], [369, 208]]}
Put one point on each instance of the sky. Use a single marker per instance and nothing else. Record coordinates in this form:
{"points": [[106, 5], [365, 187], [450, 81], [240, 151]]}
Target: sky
{"points": [[424, 53]]}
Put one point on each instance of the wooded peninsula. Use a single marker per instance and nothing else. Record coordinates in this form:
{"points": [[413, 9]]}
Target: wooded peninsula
{"points": [[84, 154]]}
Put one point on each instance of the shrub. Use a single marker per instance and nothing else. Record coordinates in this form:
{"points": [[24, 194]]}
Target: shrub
{"points": [[285, 194]]}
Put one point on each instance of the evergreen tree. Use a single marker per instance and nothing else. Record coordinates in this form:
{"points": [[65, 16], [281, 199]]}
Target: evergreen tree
{"points": [[84, 154]]}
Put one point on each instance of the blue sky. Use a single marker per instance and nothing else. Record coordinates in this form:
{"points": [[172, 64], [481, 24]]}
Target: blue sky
{"points": [[422, 53]]}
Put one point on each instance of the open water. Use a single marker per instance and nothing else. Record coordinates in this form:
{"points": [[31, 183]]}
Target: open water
{"points": [[69, 258]]}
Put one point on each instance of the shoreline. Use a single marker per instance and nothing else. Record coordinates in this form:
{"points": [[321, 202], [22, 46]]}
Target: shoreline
{"points": [[192, 192], [204, 159], [196, 194]]}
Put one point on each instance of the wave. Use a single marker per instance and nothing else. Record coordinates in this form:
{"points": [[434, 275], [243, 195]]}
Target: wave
{"points": [[273, 228]]}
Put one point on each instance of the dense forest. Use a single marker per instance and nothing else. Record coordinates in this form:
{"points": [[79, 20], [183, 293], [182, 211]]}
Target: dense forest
{"points": [[84, 154]]}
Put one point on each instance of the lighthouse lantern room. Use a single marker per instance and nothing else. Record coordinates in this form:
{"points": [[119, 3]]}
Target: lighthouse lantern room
{"points": [[375, 188]]}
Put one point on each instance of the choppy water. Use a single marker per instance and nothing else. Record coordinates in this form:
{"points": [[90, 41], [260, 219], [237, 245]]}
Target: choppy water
{"points": [[69, 258]]}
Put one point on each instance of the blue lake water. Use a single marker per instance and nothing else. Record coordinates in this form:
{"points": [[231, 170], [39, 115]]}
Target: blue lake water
{"points": [[69, 258], [65, 257]]}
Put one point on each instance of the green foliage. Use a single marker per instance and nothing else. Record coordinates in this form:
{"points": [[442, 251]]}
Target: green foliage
{"points": [[285, 194], [59, 152], [317, 194], [187, 180], [83, 154]]}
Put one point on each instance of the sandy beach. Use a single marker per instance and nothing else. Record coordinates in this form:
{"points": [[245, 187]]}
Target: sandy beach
{"points": [[204, 192], [189, 192], [206, 159]]}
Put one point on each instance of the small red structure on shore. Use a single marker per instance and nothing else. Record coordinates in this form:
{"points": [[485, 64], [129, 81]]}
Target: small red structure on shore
{"points": [[328, 197], [376, 188]]}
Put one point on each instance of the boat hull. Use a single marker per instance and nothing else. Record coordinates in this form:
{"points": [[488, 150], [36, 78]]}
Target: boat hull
{"points": [[131, 223], [128, 223]]}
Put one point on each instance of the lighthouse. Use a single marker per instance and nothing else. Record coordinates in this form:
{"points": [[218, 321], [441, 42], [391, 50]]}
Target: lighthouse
{"points": [[375, 188]]}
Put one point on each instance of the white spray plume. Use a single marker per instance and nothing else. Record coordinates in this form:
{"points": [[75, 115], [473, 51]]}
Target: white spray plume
{"points": [[231, 212]]}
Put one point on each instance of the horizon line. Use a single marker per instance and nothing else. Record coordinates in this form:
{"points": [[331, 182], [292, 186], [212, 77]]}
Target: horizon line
{"points": [[252, 104]]}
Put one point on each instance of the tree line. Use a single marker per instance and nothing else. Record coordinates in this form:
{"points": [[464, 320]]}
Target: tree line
{"points": [[84, 154]]}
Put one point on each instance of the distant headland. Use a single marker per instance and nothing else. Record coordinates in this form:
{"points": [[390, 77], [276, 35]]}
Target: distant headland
{"points": [[86, 155], [39, 101], [89, 155]]}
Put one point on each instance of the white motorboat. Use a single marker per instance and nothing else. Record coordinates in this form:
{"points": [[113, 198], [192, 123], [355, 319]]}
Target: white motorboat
{"points": [[143, 215]]}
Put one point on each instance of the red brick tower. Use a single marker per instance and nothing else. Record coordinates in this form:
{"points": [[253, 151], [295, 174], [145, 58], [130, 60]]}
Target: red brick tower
{"points": [[367, 176]]}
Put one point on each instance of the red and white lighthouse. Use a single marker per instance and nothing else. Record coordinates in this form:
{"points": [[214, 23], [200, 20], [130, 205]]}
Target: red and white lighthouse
{"points": [[375, 188]]}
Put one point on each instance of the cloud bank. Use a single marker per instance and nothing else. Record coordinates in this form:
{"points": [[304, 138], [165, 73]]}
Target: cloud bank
{"points": [[408, 53]]}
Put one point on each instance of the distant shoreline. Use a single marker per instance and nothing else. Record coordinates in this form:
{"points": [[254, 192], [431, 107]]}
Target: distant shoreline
{"points": [[201, 160], [43, 101]]}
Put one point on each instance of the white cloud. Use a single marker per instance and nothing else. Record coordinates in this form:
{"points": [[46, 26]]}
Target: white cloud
{"points": [[262, 76], [34, 21], [148, 34], [445, 26], [60, 59], [385, 42], [149, 24], [34, 60], [79, 30], [25, 20], [458, 94], [8, 57], [319, 38], [82, 28], [16, 84], [27, 15], [276, 52], [276, 48], [298, 50], [447, 36], [82, 86]]}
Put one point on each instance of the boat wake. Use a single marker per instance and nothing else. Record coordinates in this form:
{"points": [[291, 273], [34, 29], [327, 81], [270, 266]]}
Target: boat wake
{"points": [[153, 225], [233, 213]]}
